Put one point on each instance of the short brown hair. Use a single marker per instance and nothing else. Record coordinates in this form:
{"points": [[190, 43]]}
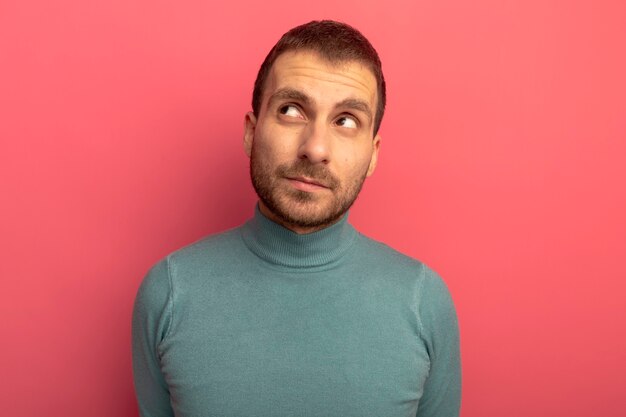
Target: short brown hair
{"points": [[335, 42]]}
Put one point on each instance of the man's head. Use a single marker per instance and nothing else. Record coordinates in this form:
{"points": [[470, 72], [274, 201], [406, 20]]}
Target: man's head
{"points": [[337, 43], [312, 137]]}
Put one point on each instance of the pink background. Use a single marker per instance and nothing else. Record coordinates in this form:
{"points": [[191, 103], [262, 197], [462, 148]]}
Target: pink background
{"points": [[502, 167]]}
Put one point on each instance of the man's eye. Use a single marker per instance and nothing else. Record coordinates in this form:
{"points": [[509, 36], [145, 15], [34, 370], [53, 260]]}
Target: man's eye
{"points": [[347, 121], [291, 111]]}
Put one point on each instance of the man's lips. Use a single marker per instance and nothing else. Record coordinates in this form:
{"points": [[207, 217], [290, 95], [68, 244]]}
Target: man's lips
{"points": [[306, 184]]}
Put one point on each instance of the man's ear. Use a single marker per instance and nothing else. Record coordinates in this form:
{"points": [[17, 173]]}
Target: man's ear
{"points": [[249, 124], [374, 159]]}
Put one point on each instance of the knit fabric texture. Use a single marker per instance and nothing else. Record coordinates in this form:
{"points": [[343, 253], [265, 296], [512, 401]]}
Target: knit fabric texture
{"points": [[261, 321]]}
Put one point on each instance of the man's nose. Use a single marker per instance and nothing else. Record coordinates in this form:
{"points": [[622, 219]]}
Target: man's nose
{"points": [[315, 143]]}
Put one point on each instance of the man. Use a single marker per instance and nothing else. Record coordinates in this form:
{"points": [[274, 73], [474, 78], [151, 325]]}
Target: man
{"points": [[295, 313]]}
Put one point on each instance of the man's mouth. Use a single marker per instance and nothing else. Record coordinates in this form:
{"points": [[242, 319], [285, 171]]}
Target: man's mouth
{"points": [[307, 184]]}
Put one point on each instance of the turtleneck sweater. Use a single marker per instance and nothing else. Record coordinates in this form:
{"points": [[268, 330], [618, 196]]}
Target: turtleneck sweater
{"points": [[261, 321]]}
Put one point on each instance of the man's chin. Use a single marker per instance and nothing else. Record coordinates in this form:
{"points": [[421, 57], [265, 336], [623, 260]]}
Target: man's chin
{"points": [[306, 214]]}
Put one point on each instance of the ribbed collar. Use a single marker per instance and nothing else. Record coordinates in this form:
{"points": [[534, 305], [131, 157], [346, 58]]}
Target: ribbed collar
{"points": [[280, 246]]}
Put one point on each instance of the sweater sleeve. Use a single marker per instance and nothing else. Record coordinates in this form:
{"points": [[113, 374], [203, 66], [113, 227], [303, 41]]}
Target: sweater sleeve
{"points": [[442, 391], [150, 323]]}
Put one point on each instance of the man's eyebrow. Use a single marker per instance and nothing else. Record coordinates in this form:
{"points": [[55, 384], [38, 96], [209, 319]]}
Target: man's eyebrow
{"points": [[290, 94], [356, 104]]}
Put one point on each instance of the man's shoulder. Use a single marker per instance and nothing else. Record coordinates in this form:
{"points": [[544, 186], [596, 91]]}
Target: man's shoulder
{"points": [[210, 245], [206, 252], [380, 255], [396, 270], [185, 270], [383, 252]]}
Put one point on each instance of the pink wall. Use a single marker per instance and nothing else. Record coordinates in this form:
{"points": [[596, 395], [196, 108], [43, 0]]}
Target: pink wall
{"points": [[502, 166]]}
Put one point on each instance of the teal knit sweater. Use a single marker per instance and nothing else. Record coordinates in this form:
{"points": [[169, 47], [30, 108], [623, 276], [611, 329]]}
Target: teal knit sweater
{"points": [[260, 321]]}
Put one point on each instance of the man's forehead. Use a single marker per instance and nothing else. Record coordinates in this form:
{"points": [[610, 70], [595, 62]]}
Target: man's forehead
{"points": [[300, 69]]}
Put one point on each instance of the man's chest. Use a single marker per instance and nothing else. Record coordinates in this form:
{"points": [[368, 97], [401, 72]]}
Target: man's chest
{"points": [[338, 354]]}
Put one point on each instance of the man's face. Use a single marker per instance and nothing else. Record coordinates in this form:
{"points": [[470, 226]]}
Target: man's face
{"points": [[312, 145]]}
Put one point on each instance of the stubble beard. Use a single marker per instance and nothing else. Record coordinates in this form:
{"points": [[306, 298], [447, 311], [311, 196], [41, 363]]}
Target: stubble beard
{"points": [[300, 208]]}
